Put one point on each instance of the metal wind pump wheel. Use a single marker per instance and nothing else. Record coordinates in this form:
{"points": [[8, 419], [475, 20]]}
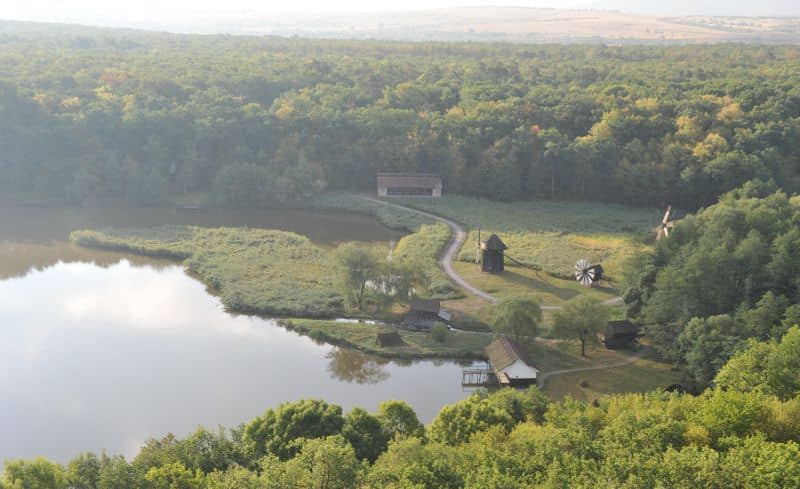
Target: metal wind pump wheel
{"points": [[584, 273]]}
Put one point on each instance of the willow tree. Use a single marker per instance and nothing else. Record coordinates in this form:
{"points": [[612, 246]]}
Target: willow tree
{"points": [[581, 318], [519, 318]]}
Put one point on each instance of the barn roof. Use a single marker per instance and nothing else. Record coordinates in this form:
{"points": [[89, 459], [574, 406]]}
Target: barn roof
{"points": [[494, 243], [425, 305], [424, 180], [503, 352]]}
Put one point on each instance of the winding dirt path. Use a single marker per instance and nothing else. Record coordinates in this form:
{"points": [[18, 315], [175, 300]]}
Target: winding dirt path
{"points": [[457, 239]]}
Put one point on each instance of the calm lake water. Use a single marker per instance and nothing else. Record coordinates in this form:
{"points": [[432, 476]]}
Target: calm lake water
{"points": [[101, 351], [32, 237]]}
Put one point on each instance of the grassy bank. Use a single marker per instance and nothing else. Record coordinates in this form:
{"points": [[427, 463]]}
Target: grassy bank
{"points": [[551, 236], [643, 375], [254, 271], [421, 248], [361, 336], [391, 217]]}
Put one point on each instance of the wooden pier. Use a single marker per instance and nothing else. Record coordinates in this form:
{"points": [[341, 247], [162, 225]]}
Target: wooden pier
{"points": [[478, 376]]}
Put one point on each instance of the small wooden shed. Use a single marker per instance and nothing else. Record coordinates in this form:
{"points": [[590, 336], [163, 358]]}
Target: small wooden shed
{"points": [[389, 338], [493, 255], [620, 334], [423, 314]]}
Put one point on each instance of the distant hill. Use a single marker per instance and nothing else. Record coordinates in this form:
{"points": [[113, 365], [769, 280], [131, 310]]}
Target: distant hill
{"points": [[679, 8], [506, 24], [519, 24]]}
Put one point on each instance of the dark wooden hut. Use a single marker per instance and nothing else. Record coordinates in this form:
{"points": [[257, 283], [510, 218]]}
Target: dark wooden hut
{"points": [[423, 314], [620, 334], [389, 338], [493, 255]]}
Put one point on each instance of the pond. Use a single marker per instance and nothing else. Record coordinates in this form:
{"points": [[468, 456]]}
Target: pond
{"points": [[33, 237], [101, 351]]}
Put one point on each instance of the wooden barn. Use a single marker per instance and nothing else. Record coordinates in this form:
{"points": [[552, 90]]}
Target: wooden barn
{"points": [[508, 361], [423, 314], [493, 255], [416, 184], [389, 338], [620, 334]]}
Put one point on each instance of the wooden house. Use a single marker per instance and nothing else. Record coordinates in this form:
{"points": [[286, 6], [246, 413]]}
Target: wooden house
{"points": [[389, 338], [417, 184], [509, 364], [493, 255], [423, 314], [620, 334]]}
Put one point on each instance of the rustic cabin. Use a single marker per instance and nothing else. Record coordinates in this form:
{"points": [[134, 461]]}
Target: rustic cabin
{"points": [[508, 361], [493, 255], [422, 315], [415, 184], [620, 334], [388, 339]]}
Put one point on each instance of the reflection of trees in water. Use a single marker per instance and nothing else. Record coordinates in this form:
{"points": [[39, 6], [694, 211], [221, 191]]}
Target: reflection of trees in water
{"points": [[354, 366], [17, 259]]}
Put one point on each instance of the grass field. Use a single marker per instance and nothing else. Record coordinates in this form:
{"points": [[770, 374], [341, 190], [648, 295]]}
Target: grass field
{"points": [[645, 374], [550, 236], [421, 250], [268, 272]]}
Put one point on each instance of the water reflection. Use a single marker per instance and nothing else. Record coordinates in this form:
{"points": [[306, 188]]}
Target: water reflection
{"points": [[95, 358], [54, 224], [36, 238], [354, 366]]}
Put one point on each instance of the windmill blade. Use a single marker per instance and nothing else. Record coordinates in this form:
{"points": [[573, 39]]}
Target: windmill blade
{"points": [[659, 233], [670, 224], [666, 232], [582, 265], [584, 279], [666, 215], [584, 273]]}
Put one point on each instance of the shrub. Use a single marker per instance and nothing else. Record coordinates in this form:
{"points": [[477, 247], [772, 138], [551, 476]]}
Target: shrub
{"points": [[439, 333]]}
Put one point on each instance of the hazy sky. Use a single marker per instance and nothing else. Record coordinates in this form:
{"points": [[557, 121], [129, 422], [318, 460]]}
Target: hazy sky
{"points": [[141, 8], [155, 10]]}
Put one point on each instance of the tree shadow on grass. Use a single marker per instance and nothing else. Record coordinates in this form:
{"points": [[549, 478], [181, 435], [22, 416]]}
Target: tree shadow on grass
{"points": [[543, 286]]}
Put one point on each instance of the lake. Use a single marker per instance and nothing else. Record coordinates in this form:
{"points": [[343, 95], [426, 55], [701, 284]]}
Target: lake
{"points": [[101, 351]]}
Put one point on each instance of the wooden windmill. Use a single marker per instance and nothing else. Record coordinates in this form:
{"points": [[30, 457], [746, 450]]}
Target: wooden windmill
{"points": [[662, 231]]}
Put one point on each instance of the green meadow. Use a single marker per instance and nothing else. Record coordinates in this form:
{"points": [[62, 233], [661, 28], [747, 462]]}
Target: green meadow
{"points": [[549, 236]]}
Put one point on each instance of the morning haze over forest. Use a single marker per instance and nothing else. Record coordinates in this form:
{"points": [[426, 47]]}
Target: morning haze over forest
{"points": [[569, 21], [429, 244]]}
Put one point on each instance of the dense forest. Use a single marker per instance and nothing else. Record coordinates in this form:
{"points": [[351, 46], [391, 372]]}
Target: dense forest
{"points": [[725, 277], [742, 434], [91, 114]]}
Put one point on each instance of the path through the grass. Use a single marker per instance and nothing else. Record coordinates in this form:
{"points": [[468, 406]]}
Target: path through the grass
{"points": [[546, 375], [459, 235]]}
